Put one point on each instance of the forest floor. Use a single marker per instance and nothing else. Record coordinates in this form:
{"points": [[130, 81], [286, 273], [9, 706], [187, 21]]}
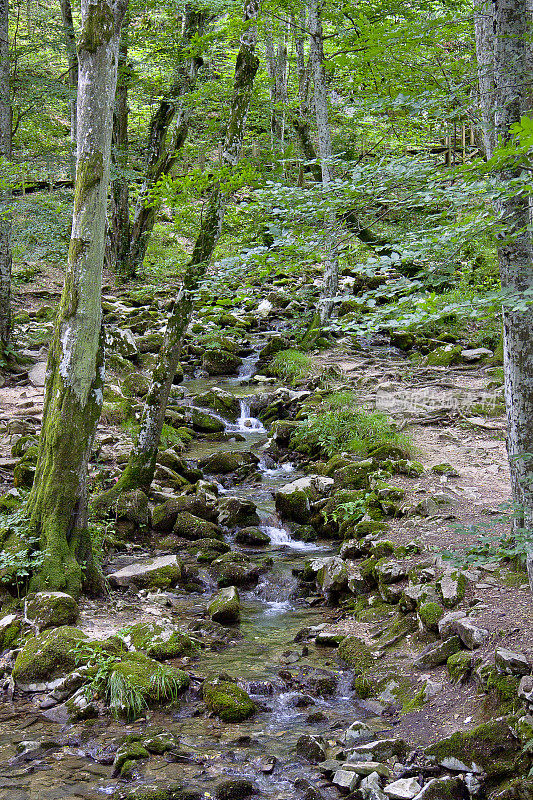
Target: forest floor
{"points": [[440, 409]]}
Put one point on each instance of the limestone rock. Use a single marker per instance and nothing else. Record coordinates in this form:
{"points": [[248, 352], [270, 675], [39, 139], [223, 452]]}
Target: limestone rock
{"points": [[151, 573], [235, 511], [358, 733], [403, 789], [437, 653], [51, 609], [511, 663], [470, 635], [451, 788], [228, 701]]}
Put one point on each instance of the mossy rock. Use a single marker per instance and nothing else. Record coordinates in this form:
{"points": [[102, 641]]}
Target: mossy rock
{"points": [[364, 687], [202, 422], [515, 789], [491, 748], [138, 681], [129, 751], [444, 356], [10, 501], [51, 609], [51, 655], [220, 362], [459, 666], [226, 461], [23, 475], [225, 607], [160, 641], [252, 537], [191, 527], [10, 628], [228, 701], [354, 652], [234, 789], [430, 614]]}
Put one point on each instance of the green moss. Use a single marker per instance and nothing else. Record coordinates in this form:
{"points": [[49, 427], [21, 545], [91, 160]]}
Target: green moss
{"points": [[89, 173], [228, 701], [430, 614], [492, 746], [364, 687], [459, 666], [98, 27], [158, 642], [48, 655], [137, 681], [356, 653]]}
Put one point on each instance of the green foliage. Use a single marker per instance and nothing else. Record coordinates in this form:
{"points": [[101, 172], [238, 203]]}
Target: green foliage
{"points": [[494, 541], [291, 366], [20, 555], [340, 424]]}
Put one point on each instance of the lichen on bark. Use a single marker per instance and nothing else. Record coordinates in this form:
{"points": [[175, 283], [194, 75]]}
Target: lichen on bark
{"points": [[98, 27]]}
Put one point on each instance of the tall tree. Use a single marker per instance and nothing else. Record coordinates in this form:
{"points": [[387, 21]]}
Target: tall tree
{"points": [[508, 51], [139, 471], [165, 139], [325, 150], [69, 34], [5, 153], [57, 505], [118, 235]]}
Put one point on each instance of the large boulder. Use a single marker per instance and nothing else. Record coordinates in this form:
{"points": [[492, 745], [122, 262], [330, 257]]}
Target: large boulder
{"points": [[202, 422], [226, 461], [228, 701], [491, 748], [51, 609], [221, 401], [220, 362], [234, 511], [225, 607], [150, 573], [234, 569], [141, 682], [188, 526], [165, 514]]}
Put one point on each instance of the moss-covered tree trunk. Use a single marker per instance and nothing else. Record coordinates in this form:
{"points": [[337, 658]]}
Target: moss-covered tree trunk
{"points": [[163, 147], [5, 153], [509, 51], [57, 505], [140, 469]]}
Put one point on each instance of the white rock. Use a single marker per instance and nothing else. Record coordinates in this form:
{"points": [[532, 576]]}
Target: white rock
{"points": [[403, 789], [264, 308]]}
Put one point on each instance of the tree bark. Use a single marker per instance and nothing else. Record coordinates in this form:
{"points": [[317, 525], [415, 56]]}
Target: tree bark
{"points": [[509, 51], [5, 152], [161, 153], [140, 469], [57, 505], [331, 265], [72, 56], [118, 239], [483, 26]]}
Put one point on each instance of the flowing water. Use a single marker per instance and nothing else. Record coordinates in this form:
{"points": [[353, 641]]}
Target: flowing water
{"points": [[69, 760]]}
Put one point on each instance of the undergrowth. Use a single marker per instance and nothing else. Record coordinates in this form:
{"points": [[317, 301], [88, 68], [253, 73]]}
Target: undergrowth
{"points": [[341, 424]]}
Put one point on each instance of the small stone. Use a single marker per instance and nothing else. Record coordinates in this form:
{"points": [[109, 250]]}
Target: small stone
{"points": [[525, 690], [370, 787], [403, 789]]}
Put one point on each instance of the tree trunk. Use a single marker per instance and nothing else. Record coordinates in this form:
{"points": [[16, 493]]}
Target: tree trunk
{"points": [[72, 56], [483, 24], [510, 48], [161, 154], [331, 265], [118, 239], [5, 152], [140, 469], [57, 505]]}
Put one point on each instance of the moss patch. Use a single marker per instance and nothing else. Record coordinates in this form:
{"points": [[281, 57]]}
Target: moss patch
{"points": [[228, 701], [354, 652]]}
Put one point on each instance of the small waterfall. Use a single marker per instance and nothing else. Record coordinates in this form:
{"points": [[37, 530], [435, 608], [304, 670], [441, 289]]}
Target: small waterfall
{"points": [[280, 537], [246, 423], [276, 472]]}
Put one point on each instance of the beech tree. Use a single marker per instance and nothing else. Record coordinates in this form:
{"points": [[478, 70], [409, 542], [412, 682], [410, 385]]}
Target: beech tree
{"points": [[57, 505], [505, 57], [139, 471], [5, 152]]}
